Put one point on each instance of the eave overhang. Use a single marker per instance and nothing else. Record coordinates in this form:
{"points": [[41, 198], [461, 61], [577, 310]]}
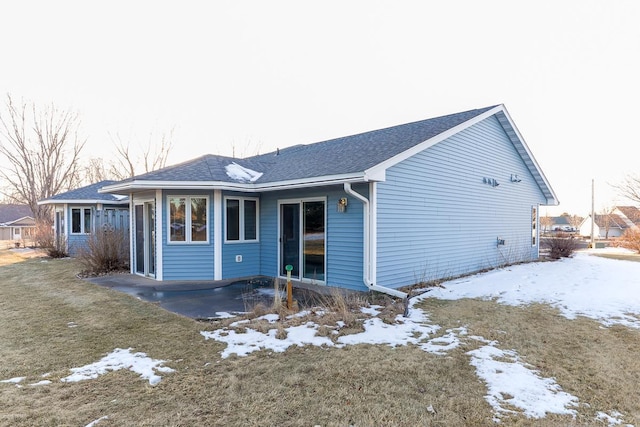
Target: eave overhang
{"points": [[82, 202], [249, 187]]}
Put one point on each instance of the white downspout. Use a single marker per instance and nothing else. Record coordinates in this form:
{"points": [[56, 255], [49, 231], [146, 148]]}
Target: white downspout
{"points": [[368, 253], [160, 230]]}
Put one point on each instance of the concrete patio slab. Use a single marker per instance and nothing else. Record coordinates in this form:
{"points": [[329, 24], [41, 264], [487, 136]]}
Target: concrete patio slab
{"points": [[210, 299]]}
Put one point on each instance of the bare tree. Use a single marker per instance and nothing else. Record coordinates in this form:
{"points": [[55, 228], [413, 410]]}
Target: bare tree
{"points": [[606, 220], [630, 188], [244, 149], [42, 148], [575, 221], [95, 171], [546, 222], [131, 161]]}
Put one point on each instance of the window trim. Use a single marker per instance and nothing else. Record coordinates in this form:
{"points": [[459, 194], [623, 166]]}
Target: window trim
{"points": [[82, 222], [187, 223], [241, 219]]}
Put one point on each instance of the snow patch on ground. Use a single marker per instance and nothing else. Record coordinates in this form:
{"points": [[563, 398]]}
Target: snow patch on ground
{"points": [[515, 383], [15, 380], [94, 423], [121, 359], [602, 289]]}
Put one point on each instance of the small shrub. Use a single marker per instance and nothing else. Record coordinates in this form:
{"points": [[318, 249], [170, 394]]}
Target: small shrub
{"points": [[54, 246], [106, 251], [631, 239], [561, 246]]}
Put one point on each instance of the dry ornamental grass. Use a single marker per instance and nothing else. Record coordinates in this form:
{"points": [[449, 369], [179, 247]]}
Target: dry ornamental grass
{"points": [[52, 321]]}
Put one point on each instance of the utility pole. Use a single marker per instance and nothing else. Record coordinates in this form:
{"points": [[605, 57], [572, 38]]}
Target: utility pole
{"points": [[593, 212]]}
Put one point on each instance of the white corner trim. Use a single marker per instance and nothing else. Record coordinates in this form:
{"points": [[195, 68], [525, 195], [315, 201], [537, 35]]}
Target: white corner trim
{"points": [[132, 236], [160, 230], [217, 234]]}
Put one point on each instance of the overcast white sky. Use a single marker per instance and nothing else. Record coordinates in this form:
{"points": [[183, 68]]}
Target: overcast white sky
{"points": [[268, 74]]}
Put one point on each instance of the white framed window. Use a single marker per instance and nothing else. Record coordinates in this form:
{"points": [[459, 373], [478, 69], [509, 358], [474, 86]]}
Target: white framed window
{"points": [[188, 219], [241, 219], [81, 219]]}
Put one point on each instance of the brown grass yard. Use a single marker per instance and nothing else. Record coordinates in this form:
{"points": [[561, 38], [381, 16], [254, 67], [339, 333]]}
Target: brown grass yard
{"points": [[362, 385]]}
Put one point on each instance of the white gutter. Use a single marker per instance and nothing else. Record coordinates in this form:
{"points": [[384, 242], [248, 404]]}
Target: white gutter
{"points": [[231, 186], [368, 244]]}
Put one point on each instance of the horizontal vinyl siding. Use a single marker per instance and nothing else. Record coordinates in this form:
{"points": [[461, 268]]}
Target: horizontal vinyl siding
{"points": [[192, 261], [250, 251], [76, 243], [269, 234], [250, 264], [436, 217], [343, 234], [345, 240]]}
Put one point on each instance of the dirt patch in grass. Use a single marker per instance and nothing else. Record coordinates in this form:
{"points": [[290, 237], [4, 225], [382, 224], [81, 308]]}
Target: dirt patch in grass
{"points": [[53, 321]]}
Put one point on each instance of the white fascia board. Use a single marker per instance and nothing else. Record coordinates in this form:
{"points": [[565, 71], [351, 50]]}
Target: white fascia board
{"points": [[310, 182], [554, 201], [230, 186], [83, 202], [18, 220], [380, 169]]}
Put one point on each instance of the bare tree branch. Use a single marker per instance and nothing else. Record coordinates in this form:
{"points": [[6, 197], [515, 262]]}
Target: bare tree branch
{"points": [[42, 148], [630, 188], [152, 157]]}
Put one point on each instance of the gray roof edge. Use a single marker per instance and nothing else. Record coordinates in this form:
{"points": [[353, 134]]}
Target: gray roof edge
{"points": [[238, 186]]}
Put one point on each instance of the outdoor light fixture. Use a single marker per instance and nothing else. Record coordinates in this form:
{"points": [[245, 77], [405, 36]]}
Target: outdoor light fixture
{"points": [[342, 204]]}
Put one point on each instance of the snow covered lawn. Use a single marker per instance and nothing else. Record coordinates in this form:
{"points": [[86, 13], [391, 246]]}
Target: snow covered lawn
{"points": [[605, 290]]}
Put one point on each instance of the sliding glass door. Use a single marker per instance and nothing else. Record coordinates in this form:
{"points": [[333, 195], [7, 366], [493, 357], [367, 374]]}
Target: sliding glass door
{"points": [[303, 238]]}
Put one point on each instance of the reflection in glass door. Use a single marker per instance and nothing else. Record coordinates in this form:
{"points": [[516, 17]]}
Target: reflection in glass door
{"points": [[151, 238], [139, 224], [314, 240], [145, 235], [290, 238], [304, 219]]}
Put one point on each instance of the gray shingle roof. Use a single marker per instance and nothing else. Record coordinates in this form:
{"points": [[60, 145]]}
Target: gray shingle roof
{"points": [[88, 193], [10, 212], [340, 156]]}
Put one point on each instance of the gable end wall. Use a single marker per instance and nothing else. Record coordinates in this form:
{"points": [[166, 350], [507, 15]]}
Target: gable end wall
{"points": [[438, 219]]}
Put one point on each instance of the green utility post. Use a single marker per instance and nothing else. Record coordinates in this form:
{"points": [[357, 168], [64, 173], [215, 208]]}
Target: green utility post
{"points": [[289, 267]]}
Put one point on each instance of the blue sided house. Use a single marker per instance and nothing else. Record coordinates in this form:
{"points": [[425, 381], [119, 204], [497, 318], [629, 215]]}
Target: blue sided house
{"points": [[377, 211], [80, 212]]}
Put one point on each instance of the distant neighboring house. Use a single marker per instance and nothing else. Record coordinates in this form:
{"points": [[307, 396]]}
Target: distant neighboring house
{"points": [[79, 212], [16, 222], [559, 223], [612, 225], [629, 214]]}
